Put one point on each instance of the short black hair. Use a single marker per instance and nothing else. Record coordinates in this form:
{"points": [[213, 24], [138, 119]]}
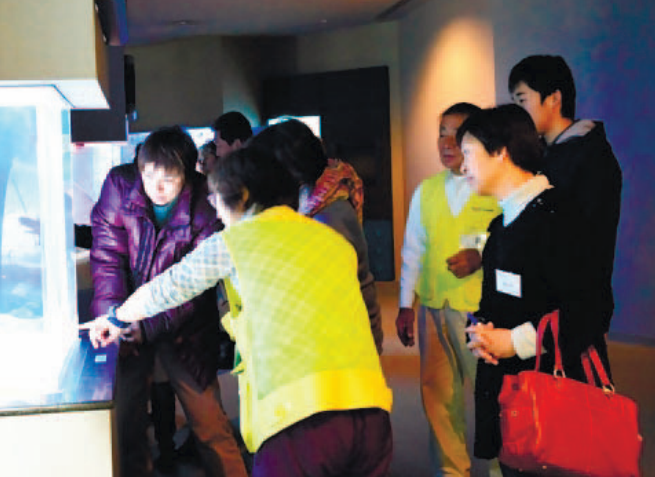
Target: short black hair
{"points": [[294, 144], [463, 108], [171, 148], [268, 182], [232, 126], [546, 74], [208, 148], [507, 126], [137, 148]]}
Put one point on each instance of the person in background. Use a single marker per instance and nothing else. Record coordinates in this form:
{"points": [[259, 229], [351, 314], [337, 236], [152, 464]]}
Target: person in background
{"points": [[231, 131], [441, 259], [314, 401], [579, 163], [206, 157], [146, 220], [530, 266], [331, 192]]}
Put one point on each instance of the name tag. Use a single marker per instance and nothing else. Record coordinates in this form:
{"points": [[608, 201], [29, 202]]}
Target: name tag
{"points": [[508, 283], [476, 241]]}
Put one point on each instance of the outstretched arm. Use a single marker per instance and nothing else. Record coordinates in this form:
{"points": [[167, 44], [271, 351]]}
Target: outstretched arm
{"points": [[199, 270]]}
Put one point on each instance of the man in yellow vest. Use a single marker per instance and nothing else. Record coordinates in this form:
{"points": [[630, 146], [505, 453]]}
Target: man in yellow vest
{"points": [[441, 260]]}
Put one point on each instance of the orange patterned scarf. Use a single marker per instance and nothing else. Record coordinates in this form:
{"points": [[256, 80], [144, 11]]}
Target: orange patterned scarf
{"points": [[339, 181]]}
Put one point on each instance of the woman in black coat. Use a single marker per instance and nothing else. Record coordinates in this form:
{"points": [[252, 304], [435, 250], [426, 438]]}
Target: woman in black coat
{"points": [[533, 263]]}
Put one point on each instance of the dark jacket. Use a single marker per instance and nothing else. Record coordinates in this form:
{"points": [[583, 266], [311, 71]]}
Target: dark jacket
{"points": [[538, 247], [341, 216], [129, 251], [587, 177]]}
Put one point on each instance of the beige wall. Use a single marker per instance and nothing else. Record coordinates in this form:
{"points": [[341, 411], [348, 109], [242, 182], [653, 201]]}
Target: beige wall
{"points": [[361, 47], [447, 56], [241, 70], [46, 40], [192, 81], [50, 43], [178, 82]]}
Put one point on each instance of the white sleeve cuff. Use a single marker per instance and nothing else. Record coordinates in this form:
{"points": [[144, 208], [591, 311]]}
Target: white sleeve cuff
{"points": [[412, 252], [405, 301], [524, 339]]}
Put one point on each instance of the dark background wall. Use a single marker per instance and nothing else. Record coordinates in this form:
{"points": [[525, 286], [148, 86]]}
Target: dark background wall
{"points": [[354, 109]]}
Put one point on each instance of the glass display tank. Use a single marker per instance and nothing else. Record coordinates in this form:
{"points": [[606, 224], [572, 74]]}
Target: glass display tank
{"points": [[38, 306]]}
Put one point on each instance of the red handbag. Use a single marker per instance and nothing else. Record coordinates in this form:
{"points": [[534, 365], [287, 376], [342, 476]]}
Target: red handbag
{"points": [[554, 425]]}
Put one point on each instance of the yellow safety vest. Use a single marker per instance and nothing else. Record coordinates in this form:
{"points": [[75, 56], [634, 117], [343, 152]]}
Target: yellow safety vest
{"points": [[445, 236], [300, 324]]}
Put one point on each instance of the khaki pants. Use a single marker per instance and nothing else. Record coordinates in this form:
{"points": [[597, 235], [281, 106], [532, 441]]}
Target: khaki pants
{"points": [[447, 378], [217, 445]]}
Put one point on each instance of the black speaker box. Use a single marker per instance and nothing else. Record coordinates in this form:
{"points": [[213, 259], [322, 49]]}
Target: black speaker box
{"points": [[130, 85]]}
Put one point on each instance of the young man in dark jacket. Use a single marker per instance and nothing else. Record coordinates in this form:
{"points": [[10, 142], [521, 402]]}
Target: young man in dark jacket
{"points": [[146, 220], [579, 163]]}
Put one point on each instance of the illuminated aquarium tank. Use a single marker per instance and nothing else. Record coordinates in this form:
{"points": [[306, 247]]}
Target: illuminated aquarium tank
{"points": [[38, 307]]}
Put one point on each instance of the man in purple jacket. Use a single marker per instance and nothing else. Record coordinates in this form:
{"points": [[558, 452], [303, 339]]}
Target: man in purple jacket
{"points": [[146, 220]]}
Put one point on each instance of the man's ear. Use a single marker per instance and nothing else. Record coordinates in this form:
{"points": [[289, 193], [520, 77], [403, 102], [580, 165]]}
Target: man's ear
{"points": [[503, 154], [245, 195], [555, 101], [236, 144]]}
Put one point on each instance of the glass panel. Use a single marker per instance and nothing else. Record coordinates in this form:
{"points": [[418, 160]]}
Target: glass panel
{"points": [[91, 163], [21, 287], [38, 306]]}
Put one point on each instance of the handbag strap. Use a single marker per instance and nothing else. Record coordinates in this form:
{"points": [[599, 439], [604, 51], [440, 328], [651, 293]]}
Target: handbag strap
{"points": [[551, 318], [586, 365], [590, 356]]}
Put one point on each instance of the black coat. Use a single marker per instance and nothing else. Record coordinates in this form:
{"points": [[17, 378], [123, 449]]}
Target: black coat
{"points": [[588, 180], [539, 247]]}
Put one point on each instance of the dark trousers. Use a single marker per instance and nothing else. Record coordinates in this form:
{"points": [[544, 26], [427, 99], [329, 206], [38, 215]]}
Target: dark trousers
{"points": [[355, 443], [217, 445]]}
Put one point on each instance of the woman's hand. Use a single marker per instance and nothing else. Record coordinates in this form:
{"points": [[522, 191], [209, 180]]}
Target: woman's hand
{"points": [[101, 331], [478, 342], [489, 343]]}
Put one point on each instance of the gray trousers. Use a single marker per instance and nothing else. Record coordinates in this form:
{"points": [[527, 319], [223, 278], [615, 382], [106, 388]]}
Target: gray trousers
{"points": [[447, 377]]}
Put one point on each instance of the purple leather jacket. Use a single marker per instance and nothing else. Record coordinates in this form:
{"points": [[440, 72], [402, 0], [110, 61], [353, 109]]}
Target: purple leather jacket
{"points": [[128, 251]]}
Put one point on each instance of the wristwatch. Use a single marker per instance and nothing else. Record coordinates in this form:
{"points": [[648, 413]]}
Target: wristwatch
{"points": [[111, 318]]}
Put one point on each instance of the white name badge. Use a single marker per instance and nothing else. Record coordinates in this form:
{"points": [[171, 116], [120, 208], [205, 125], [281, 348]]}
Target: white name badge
{"points": [[476, 241], [508, 283]]}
